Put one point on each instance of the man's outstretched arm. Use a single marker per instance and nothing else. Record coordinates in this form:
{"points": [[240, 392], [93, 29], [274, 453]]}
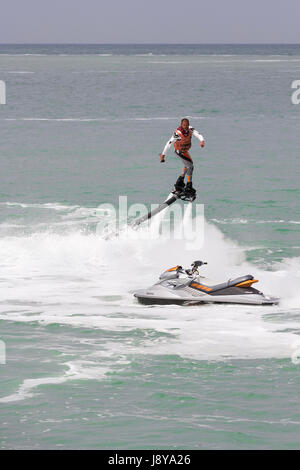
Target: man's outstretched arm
{"points": [[199, 137], [166, 148]]}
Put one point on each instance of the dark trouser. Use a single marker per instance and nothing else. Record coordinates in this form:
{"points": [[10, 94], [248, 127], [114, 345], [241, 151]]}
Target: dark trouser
{"points": [[188, 164]]}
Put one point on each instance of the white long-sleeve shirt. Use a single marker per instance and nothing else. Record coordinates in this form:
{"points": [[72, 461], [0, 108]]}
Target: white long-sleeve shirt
{"points": [[175, 137]]}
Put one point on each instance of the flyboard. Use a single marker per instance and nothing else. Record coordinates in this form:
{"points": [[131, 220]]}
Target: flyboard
{"points": [[175, 195], [168, 202]]}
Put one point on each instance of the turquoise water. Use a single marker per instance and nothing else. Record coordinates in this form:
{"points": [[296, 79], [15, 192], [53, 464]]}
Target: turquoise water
{"points": [[88, 367]]}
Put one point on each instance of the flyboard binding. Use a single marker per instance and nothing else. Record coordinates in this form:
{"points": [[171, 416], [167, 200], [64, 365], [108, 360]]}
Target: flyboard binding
{"points": [[184, 196]]}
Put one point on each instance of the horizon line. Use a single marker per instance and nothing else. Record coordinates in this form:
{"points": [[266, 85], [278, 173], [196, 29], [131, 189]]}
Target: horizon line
{"points": [[149, 43]]}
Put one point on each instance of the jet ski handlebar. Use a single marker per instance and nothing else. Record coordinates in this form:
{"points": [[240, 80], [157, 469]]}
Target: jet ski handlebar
{"points": [[173, 273], [195, 265]]}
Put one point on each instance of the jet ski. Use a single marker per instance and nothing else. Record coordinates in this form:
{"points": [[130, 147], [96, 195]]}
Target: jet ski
{"points": [[186, 287]]}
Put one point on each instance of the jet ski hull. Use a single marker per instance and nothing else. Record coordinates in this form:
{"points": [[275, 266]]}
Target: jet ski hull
{"points": [[146, 298], [159, 295]]}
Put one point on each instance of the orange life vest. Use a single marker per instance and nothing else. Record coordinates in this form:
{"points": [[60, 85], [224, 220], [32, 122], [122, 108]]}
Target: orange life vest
{"points": [[185, 141]]}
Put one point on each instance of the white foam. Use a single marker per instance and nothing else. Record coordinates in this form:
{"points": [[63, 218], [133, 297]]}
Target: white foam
{"points": [[51, 205], [77, 370], [56, 119], [253, 221], [82, 279]]}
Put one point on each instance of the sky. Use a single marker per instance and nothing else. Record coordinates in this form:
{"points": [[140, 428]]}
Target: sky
{"points": [[150, 21]]}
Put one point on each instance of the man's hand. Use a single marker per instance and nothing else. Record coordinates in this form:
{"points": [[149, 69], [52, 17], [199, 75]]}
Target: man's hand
{"points": [[162, 158], [202, 143]]}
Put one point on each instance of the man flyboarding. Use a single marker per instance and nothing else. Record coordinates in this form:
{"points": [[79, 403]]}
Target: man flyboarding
{"points": [[182, 139]]}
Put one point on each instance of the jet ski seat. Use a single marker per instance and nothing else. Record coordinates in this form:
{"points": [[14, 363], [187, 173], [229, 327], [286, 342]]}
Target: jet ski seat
{"points": [[232, 282], [224, 285], [239, 280]]}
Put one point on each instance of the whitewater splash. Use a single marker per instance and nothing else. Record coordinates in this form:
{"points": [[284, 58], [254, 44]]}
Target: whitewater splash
{"points": [[80, 279]]}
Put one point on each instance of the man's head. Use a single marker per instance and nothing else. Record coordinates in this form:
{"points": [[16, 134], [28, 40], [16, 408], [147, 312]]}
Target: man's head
{"points": [[185, 123]]}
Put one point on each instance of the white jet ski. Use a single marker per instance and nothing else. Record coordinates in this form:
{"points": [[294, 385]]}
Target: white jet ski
{"points": [[186, 287]]}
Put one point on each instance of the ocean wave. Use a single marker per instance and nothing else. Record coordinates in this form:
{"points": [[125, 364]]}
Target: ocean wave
{"points": [[48, 205], [22, 54], [16, 71], [56, 119], [76, 370], [276, 60], [253, 221], [153, 118]]}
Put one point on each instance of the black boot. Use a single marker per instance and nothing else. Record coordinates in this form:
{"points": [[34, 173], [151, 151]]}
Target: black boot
{"points": [[189, 190], [179, 185]]}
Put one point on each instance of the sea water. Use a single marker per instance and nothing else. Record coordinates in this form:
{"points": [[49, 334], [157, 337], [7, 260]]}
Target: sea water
{"points": [[86, 366]]}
